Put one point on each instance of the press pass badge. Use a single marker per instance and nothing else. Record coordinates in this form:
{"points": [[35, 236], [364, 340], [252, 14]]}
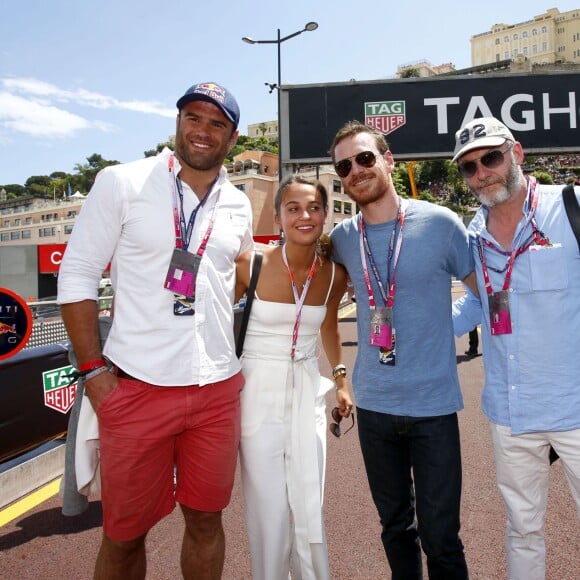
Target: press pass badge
{"points": [[381, 333], [182, 272], [183, 306], [387, 356], [499, 313]]}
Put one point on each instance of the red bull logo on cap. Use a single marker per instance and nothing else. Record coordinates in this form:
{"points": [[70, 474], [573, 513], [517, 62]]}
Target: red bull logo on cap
{"points": [[211, 90]]}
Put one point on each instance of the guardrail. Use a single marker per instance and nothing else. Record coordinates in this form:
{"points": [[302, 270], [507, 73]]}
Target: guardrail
{"points": [[48, 327]]}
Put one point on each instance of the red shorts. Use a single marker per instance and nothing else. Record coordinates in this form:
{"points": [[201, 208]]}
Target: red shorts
{"points": [[145, 431]]}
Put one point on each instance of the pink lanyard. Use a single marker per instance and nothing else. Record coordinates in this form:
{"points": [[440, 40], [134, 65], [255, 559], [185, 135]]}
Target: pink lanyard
{"points": [[392, 259], [179, 234], [298, 299], [519, 248]]}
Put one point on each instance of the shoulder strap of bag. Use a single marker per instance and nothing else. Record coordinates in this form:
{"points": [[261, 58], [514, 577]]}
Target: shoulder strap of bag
{"points": [[573, 210], [249, 299]]}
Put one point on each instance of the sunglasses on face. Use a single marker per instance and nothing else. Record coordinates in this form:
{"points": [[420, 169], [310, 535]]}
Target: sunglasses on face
{"points": [[491, 160], [364, 159], [335, 427]]}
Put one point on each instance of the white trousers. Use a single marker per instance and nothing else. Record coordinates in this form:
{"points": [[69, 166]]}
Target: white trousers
{"points": [[523, 469], [277, 541]]}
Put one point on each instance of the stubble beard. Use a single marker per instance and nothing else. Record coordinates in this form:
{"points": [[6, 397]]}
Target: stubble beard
{"points": [[511, 186], [199, 162], [368, 196]]}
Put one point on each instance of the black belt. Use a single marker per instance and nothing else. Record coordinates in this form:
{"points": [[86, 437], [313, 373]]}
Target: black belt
{"points": [[123, 375]]}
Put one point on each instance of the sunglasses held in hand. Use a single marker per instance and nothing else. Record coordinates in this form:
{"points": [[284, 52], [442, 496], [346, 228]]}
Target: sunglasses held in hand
{"points": [[335, 427], [364, 159], [491, 160]]}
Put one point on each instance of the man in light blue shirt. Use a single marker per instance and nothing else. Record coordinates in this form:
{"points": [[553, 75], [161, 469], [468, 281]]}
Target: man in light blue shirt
{"points": [[528, 274]]}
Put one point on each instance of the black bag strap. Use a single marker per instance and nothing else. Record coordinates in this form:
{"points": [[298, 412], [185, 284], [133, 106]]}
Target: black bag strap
{"points": [[573, 210], [249, 299]]}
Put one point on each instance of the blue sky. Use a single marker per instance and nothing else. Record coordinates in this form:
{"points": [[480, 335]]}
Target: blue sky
{"points": [[78, 78]]}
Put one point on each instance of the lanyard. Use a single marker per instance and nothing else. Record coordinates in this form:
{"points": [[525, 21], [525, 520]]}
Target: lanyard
{"points": [[298, 299], [520, 247], [183, 231], [392, 258]]}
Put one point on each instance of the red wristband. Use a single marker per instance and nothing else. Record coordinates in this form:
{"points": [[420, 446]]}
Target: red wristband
{"points": [[92, 364]]}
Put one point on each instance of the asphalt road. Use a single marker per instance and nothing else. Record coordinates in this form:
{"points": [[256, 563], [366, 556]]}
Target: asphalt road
{"points": [[43, 544]]}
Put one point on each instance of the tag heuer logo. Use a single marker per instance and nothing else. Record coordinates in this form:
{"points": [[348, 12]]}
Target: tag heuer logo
{"points": [[59, 391], [385, 116]]}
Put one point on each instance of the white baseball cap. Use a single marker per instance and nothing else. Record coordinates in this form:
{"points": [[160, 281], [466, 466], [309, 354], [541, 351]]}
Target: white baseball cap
{"points": [[482, 132]]}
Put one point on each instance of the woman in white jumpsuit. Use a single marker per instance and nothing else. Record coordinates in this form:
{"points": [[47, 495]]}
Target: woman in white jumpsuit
{"points": [[283, 442]]}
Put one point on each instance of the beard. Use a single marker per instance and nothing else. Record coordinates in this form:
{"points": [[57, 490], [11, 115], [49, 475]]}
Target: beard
{"points": [[510, 185], [370, 195], [199, 161]]}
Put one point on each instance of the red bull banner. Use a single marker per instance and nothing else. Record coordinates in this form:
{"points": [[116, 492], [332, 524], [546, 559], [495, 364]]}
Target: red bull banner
{"points": [[15, 323]]}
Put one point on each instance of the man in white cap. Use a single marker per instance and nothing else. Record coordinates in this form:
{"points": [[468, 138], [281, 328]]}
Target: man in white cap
{"points": [[172, 227], [528, 274]]}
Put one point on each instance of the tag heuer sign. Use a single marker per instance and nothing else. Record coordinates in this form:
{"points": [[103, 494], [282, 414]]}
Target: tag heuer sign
{"points": [[385, 116], [59, 392]]}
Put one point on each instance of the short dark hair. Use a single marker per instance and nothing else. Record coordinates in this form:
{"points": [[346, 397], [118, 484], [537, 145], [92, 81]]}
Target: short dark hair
{"points": [[354, 128]]}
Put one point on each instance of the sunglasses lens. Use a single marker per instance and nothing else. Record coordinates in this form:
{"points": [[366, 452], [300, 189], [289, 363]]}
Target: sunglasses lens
{"points": [[492, 159], [468, 169], [366, 159], [335, 429], [343, 167]]}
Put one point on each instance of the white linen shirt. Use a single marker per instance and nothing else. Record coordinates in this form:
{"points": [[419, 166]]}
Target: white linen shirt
{"points": [[127, 220]]}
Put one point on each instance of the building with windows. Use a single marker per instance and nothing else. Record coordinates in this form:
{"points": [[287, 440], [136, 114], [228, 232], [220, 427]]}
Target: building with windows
{"points": [[551, 37], [425, 69], [256, 174], [34, 221], [268, 129]]}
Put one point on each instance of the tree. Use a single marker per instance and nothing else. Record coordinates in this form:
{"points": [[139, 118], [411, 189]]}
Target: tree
{"points": [[87, 172], [409, 72], [170, 144], [543, 177], [14, 190]]}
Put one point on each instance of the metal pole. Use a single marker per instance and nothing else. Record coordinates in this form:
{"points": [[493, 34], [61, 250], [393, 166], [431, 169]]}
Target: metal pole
{"points": [[280, 170]]}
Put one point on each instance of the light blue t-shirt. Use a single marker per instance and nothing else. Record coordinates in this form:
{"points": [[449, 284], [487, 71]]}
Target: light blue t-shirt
{"points": [[435, 248]]}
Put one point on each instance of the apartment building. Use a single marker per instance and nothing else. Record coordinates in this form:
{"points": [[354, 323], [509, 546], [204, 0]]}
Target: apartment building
{"points": [[268, 129], [35, 221], [256, 174], [425, 69], [551, 37]]}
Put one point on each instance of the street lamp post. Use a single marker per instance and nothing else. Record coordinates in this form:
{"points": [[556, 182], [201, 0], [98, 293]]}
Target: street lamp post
{"points": [[309, 27]]}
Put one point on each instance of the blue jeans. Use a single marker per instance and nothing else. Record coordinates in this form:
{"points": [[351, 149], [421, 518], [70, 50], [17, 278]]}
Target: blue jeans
{"points": [[416, 461]]}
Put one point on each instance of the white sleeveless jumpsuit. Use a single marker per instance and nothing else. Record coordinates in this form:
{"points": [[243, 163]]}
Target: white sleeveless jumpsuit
{"points": [[283, 443]]}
